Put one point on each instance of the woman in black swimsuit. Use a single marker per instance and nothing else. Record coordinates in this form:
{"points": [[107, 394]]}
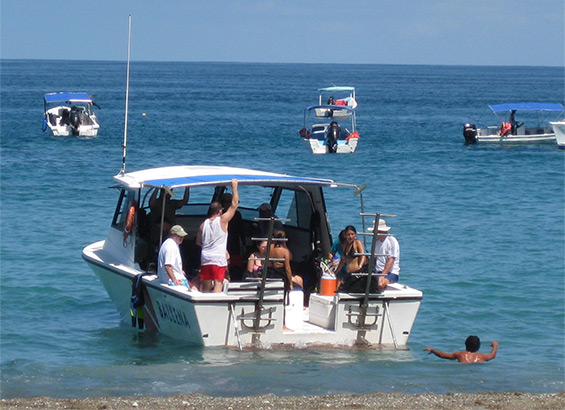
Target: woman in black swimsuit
{"points": [[352, 246]]}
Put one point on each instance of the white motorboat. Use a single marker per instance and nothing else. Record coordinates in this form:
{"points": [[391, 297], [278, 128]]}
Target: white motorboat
{"points": [[559, 130], [331, 127], [511, 130], [248, 313], [70, 113], [338, 95]]}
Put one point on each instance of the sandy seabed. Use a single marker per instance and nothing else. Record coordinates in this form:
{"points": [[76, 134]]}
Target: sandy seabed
{"points": [[474, 401]]}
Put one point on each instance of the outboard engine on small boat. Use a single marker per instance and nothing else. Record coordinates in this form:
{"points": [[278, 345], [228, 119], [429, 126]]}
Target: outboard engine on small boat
{"points": [[470, 133], [332, 136], [74, 120]]}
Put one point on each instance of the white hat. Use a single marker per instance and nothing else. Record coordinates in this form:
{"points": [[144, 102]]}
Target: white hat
{"points": [[383, 227]]}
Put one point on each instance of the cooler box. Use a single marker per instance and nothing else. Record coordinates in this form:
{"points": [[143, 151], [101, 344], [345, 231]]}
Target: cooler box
{"points": [[322, 311], [328, 285]]}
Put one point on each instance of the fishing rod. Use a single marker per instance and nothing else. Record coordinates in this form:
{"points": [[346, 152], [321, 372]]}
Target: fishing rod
{"points": [[124, 143]]}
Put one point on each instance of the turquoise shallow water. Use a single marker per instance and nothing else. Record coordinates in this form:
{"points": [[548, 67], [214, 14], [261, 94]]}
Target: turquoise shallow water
{"points": [[481, 228]]}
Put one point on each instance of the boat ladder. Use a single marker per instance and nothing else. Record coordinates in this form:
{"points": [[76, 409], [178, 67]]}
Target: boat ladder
{"points": [[361, 317], [257, 327]]}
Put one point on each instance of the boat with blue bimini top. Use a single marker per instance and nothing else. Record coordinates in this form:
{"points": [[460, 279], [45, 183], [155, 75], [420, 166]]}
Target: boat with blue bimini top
{"points": [[257, 312], [70, 113], [515, 130], [330, 127]]}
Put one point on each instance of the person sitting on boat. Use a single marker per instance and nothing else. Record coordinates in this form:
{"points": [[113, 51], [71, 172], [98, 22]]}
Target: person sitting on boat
{"points": [[388, 265], [472, 345], [213, 238], [353, 263], [505, 129], [64, 116], [169, 261], [255, 261], [280, 269]]}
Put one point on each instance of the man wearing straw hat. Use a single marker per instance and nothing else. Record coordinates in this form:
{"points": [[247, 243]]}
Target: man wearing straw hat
{"points": [[389, 264]]}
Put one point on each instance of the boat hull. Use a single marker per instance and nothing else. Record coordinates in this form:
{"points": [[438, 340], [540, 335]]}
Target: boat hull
{"points": [[321, 147], [228, 318], [88, 126], [487, 137]]}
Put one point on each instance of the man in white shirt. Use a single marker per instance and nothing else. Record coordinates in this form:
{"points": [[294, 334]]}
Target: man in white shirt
{"points": [[388, 265], [169, 267]]}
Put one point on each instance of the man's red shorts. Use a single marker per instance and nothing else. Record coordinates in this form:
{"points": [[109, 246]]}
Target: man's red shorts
{"points": [[212, 272]]}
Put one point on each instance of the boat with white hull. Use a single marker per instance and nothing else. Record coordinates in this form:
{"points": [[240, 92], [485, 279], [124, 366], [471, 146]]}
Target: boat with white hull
{"points": [[330, 126], [70, 113], [249, 313], [559, 130], [330, 129], [511, 131]]}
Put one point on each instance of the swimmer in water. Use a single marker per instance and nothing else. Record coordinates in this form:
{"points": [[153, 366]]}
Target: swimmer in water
{"points": [[472, 344]]}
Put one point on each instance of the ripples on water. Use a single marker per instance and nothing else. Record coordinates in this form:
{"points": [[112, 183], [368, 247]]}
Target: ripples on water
{"points": [[481, 228]]}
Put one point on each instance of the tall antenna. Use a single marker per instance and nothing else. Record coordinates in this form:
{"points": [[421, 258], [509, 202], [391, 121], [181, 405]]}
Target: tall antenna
{"points": [[124, 144]]}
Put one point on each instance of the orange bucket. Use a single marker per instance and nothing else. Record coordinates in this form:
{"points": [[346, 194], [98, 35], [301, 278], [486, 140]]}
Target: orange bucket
{"points": [[328, 286]]}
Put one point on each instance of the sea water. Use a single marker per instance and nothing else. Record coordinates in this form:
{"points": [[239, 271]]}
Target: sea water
{"points": [[481, 228]]}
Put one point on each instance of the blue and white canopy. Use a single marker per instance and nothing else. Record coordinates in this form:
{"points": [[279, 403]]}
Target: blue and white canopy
{"points": [[67, 97], [191, 175], [532, 106], [337, 88]]}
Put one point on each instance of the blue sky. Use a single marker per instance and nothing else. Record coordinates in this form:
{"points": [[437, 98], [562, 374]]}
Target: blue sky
{"points": [[460, 32]]}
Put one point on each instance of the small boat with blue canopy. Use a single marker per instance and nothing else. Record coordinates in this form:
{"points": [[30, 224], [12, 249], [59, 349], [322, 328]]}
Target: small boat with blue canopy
{"points": [[256, 312], [518, 122], [330, 127], [70, 113]]}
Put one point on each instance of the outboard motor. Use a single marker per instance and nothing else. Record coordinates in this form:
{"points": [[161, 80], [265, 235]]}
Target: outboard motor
{"points": [[74, 120], [332, 136], [470, 133]]}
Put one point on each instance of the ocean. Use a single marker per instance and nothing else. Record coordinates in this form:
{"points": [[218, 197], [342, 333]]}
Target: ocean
{"points": [[481, 228]]}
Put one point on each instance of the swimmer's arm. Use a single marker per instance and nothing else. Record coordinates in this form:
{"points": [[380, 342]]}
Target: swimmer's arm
{"points": [[443, 355], [493, 351]]}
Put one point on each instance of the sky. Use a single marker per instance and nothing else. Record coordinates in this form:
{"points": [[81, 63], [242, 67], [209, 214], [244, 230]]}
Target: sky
{"points": [[436, 32]]}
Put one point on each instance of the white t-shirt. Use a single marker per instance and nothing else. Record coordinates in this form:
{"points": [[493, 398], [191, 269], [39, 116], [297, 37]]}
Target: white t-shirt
{"points": [[169, 254], [214, 243], [388, 247]]}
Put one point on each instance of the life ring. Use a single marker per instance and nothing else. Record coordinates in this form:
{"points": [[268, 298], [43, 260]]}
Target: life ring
{"points": [[128, 224]]}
